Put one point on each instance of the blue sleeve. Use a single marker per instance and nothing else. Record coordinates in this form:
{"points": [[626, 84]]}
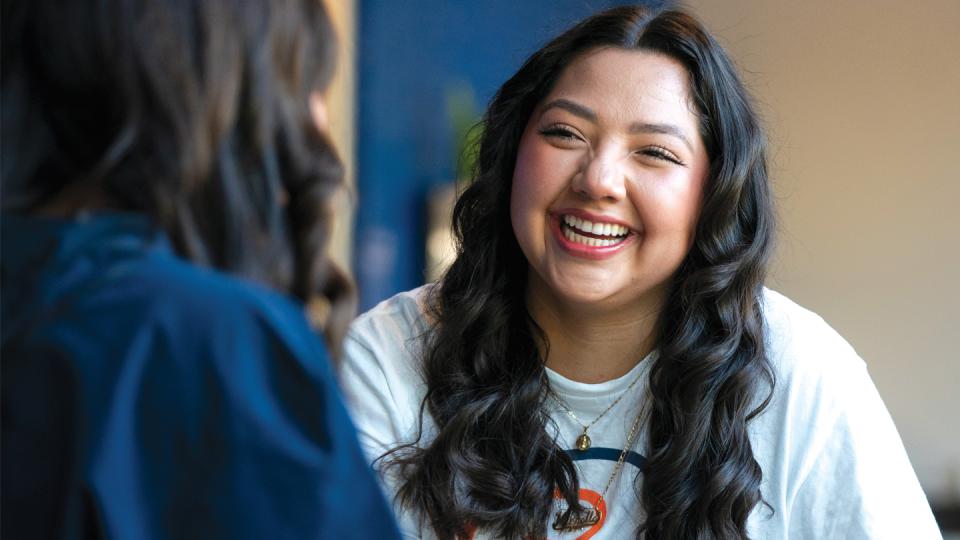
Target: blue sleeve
{"points": [[233, 427]]}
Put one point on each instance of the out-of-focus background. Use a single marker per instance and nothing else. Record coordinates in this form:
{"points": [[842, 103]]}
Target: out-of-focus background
{"points": [[862, 104]]}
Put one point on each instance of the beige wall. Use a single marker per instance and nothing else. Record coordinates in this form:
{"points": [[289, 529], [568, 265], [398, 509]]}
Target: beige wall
{"points": [[862, 102], [341, 98]]}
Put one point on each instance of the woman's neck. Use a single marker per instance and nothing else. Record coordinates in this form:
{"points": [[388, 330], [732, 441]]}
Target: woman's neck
{"points": [[592, 345], [73, 199]]}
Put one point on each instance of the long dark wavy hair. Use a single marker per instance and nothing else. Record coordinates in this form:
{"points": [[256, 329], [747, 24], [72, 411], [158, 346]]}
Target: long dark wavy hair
{"points": [[492, 464], [193, 112]]}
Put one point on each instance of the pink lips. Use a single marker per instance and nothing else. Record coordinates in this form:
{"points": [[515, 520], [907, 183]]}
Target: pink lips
{"points": [[584, 251]]}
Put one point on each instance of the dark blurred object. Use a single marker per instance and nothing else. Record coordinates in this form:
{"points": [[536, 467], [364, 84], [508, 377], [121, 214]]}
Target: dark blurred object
{"points": [[948, 517], [145, 397], [166, 186]]}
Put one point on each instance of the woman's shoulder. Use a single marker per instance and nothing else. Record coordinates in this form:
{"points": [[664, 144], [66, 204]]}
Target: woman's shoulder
{"points": [[827, 438], [801, 343], [75, 278], [820, 381], [395, 321], [818, 375], [380, 370], [387, 339], [205, 300]]}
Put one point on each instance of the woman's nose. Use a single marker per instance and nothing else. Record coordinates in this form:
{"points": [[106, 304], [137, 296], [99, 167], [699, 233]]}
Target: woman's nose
{"points": [[602, 176]]}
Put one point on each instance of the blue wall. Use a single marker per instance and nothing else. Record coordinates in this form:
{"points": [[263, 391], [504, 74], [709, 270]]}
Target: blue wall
{"points": [[410, 52]]}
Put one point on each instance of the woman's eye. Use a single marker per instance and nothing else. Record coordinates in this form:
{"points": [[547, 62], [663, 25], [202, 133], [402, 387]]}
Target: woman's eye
{"points": [[560, 132], [659, 152]]}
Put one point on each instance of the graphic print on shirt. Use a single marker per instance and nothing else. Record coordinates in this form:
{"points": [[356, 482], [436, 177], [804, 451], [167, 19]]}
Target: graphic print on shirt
{"points": [[592, 486], [594, 468]]}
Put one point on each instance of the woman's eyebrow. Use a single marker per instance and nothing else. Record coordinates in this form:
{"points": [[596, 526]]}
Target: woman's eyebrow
{"points": [[664, 129], [573, 108]]}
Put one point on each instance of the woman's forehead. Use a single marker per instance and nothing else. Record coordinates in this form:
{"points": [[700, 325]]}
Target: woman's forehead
{"points": [[626, 86]]}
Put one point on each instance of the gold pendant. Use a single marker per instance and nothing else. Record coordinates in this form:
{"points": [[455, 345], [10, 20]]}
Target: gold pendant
{"points": [[587, 517], [583, 442]]}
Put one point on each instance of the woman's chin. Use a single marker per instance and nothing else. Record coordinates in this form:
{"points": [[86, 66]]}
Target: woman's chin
{"points": [[582, 292], [595, 292]]}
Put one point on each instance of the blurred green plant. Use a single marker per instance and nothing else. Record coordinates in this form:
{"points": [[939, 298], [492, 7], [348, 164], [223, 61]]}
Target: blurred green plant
{"points": [[464, 117]]}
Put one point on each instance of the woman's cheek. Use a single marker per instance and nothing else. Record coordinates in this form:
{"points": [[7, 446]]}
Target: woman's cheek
{"points": [[533, 180]]}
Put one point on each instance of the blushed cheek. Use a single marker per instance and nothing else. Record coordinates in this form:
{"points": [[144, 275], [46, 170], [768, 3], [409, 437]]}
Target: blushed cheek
{"points": [[673, 211], [524, 191]]}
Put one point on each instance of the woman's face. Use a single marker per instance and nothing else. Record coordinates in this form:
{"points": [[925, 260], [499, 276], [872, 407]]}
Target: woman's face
{"points": [[608, 181]]}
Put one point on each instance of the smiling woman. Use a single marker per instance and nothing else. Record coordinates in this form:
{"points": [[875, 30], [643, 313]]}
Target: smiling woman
{"points": [[611, 147], [602, 360]]}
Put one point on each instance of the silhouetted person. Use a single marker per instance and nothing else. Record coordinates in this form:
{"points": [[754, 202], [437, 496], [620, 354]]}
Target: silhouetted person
{"points": [[166, 185]]}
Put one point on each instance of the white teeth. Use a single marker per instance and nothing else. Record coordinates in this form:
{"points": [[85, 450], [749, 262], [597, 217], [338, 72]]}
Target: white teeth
{"points": [[603, 229], [589, 241]]}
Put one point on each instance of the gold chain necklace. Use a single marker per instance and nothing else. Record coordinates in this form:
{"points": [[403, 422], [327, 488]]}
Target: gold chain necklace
{"points": [[583, 442], [592, 516]]}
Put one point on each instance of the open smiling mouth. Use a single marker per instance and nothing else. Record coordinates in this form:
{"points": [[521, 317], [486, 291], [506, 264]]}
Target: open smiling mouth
{"points": [[591, 233]]}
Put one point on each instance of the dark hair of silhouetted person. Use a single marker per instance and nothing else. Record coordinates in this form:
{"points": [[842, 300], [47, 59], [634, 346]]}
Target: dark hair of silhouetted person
{"points": [[193, 112], [492, 463]]}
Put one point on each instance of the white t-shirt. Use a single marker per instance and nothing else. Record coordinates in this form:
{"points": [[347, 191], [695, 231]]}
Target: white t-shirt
{"points": [[833, 464]]}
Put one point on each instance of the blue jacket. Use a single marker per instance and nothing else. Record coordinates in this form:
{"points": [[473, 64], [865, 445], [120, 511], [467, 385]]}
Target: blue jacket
{"points": [[146, 397]]}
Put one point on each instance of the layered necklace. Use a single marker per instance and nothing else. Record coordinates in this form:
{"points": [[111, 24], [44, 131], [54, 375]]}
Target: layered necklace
{"points": [[583, 442], [591, 516]]}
